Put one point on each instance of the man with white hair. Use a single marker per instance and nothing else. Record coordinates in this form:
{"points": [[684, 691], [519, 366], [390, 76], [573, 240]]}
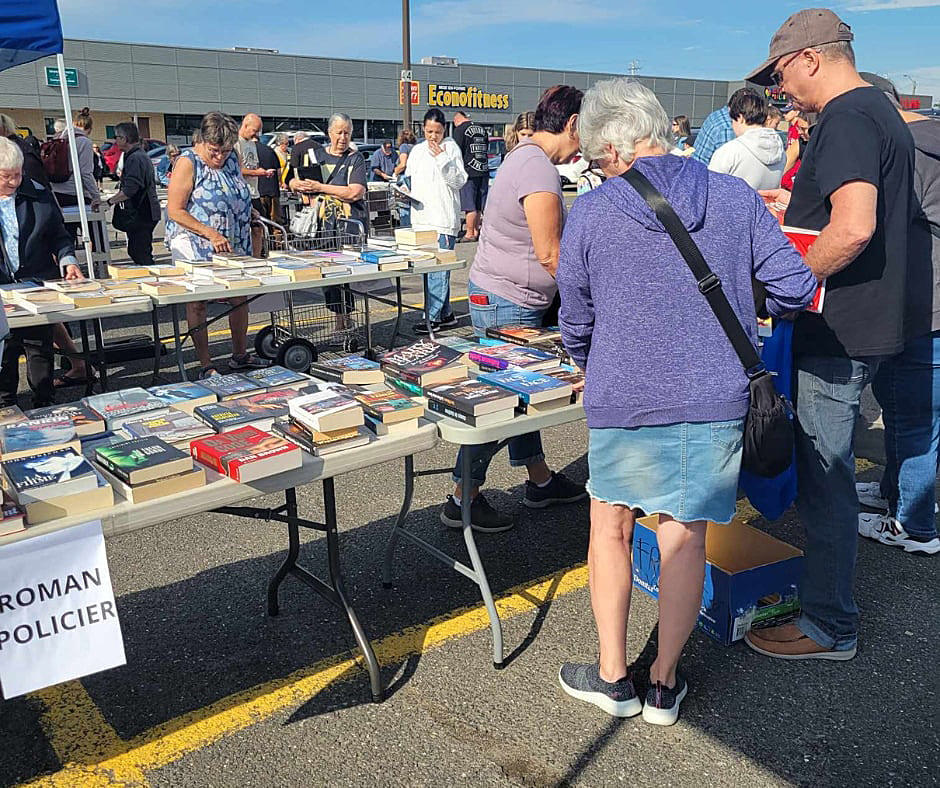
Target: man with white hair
{"points": [[856, 187]]}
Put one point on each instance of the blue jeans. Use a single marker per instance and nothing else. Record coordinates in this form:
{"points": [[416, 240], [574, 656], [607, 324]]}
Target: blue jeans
{"points": [[525, 449], [404, 207], [438, 306], [828, 394], [907, 387]]}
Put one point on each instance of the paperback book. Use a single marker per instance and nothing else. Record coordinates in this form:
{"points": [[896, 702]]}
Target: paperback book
{"points": [[389, 406], [424, 362], [26, 438], [53, 474], [174, 426], [116, 407], [11, 415], [803, 240], [12, 518], [183, 396], [87, 423], [277, 377], [348, 369], [141, 460], [525, 335], [231, 386], [259, 410], [324, 411], [471, 397], [247, 454], [531, 387], [506, 356]]}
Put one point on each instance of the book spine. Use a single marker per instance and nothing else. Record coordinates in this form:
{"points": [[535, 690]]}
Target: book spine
{"points": [[404, 385], [327, 373], [488, 367], [113, 469], [439, 407], [488, 361], [207, 457]]}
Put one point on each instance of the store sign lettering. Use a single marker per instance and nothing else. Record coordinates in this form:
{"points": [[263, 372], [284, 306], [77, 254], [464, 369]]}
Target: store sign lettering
{"points": [[460, 96]]}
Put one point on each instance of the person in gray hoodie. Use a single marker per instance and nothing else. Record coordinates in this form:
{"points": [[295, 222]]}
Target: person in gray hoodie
{"points": [[756, 154], [907, 386]]}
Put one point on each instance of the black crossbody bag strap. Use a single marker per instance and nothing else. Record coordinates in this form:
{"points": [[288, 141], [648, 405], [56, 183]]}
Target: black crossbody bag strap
{"points": [[708, 282]]}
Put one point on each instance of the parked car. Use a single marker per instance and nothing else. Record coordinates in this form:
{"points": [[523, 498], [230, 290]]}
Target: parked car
{"points": [[495, 154], [571, 171], [111, 154]]}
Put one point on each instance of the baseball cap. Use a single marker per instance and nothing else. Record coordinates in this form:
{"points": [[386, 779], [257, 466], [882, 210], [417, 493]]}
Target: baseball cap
{"points": [[804, 30]]}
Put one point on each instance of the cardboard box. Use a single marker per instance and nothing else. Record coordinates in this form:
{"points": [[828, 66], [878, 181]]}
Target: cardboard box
{"points": [[750, 577]]}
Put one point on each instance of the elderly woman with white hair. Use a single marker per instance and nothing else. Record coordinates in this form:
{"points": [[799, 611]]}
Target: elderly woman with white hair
{"points": [[665, 394]]}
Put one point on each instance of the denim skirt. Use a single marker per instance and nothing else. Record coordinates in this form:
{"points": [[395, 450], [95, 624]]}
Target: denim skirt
{"points": [[687, 471]]}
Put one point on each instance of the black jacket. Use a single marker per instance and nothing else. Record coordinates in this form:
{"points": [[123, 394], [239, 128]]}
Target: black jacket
{"points": [[139, 184], [43, 237]]}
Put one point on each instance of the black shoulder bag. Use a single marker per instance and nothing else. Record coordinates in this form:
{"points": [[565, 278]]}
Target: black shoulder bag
{"points": [[768, 428]]}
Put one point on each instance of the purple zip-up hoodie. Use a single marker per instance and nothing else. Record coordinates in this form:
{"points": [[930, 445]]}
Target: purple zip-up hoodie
{"points": [[631, 313]]}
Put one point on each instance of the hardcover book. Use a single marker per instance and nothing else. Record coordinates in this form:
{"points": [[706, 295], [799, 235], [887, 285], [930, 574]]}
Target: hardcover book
{"points": [[86, 422], [141, 460], [183, 396], [231, 386], [348, 369], [388, 406], [803, 240], [525, 335], [116, 407], [531, 387], [472, 397], [53, 474], [324, 411], [297, 270], [416, 237], [424, 362], [247, 454], [277, 377], [509, 355], [173, 426], [26, 438], [258, 409]]}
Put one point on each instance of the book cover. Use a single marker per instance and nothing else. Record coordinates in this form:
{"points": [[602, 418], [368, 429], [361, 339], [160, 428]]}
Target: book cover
{"points": [[482, 420], [473, 397], [140, 460], [509, 355], [388, 406], [33, 437], [326, 410], [319, 443], [230, 386], [12, 518], [11, 415], [531, 387], [259, 409], [183, 396], [418, 358], [572, 375], [348, 369], [87, 423], [525, 335], [246, 454], [117, 406], [49, 475], [276, 377], [382, 256], [405, 386], [802, 240], [96, 499], [380, 428], [174, 426]]}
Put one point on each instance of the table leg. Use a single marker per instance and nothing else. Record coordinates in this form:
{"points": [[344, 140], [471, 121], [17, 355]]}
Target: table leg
{"points": [[155, 327], [178, 340], [427, 311], [336, 580], [399, 523], [398, 301], [86, 357], [466, 497], [102, 355], [293, 551]]}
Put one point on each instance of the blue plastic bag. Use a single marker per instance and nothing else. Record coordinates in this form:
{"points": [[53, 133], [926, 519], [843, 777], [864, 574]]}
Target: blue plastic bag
{"points": [[772, 497]]}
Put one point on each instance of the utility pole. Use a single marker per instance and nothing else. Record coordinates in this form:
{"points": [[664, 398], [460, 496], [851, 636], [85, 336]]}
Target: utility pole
{"points": [[913, 83], [634, 67], [406, 59]]}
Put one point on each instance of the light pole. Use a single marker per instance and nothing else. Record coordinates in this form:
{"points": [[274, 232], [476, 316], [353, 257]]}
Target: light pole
{"points": [[906, 76], [406, 60]]}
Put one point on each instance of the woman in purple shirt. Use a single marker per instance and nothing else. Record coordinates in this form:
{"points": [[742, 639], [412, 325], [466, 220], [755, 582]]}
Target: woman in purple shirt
{"points": [[666, 394], [512, 282]]}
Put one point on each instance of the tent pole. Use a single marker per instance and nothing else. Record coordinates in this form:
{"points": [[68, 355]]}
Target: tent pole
{"points": [[76, 173]]}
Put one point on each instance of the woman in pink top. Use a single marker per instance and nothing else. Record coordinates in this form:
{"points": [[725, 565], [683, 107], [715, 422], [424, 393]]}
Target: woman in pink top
{"points": [[512, 282]]}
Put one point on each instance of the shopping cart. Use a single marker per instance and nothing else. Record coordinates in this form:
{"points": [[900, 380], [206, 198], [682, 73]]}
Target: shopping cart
{"points": [[300, 331], [383, 209]]}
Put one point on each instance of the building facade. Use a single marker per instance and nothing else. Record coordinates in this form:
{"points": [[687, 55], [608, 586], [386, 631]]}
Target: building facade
{"points": [[168, 89]]}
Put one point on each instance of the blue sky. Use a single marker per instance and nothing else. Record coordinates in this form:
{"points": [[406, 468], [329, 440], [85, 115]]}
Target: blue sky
{"points": [[699, 39]]}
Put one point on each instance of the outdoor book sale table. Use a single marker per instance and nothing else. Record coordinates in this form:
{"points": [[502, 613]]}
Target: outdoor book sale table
{"points": [[251, 293], [221, 494]]}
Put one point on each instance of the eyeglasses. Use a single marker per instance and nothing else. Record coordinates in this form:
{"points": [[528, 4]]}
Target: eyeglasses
{"points": [[777, 75], [216, 152]]}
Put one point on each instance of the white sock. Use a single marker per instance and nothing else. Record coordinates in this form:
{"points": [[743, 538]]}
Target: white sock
{"points": [[547, 482], [456, 499]]}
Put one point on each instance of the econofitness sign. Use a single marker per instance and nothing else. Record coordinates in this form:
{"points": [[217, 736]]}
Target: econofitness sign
{"points": [[463, 97]]}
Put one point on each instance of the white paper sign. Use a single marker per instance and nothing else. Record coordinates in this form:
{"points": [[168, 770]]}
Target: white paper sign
{"points": [[58, 617]]}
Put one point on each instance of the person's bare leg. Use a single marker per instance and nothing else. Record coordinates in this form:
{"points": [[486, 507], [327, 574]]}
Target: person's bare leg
{"points": [[610, 573], [681, 579], [473, 225], [196, 316], [62, 340], [238, 325]]}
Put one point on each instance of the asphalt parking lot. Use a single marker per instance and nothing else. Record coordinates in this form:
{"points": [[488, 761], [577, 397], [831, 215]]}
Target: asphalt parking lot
{"points": [[216, 693]]}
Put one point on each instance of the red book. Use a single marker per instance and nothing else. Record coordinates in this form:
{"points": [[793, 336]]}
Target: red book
{"points": [[803, 240], [247, 454]]}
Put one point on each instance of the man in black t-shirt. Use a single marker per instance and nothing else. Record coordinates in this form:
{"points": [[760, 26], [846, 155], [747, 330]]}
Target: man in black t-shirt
{"points": [[269, 189], [474, 143], [855, 186]]}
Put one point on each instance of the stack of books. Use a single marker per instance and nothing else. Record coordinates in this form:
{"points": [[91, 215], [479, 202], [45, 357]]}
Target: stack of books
{"points": [[326, 410], [350, 370], [472, 402], [247, 454], [319, 444], [12, 518], [422, 364], [507, 356], [537, 393], [144, 469], [54, 484], [387, 412], [39, 300]]}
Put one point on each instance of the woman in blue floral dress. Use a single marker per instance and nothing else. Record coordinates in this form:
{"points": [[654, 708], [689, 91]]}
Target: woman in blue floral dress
{"points": [[209, 210]]}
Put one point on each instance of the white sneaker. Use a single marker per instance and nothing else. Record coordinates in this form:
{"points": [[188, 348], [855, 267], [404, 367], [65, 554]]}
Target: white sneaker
{"points": [[869, 494], [887, 530]]}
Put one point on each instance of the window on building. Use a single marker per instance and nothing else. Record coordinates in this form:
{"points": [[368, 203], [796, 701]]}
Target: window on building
{"points": [[50, 126], [383, 130]]}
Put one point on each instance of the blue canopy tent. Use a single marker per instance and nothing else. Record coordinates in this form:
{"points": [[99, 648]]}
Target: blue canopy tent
{"points": [[29, 30]]}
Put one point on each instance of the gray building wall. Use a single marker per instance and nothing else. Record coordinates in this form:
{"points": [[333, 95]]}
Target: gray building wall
{"points": [[137, 78]]}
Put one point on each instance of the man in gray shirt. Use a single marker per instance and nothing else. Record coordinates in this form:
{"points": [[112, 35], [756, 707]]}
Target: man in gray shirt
{"points": [[246, 149]]}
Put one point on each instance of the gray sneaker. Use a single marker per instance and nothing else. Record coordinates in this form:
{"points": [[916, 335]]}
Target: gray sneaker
{"points": [[583, 681], [559, 490], [662, 702], [248, 361]]}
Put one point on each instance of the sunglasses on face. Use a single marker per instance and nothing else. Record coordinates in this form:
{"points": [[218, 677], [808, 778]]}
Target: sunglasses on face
{"points": [[777, 75]]}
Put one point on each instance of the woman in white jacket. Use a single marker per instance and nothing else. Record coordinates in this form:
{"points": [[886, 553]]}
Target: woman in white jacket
{"points": [[435, 167]]}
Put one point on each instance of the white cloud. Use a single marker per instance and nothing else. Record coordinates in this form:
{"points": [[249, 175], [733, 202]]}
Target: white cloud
{"points": [[890, 5], [927, 78]]}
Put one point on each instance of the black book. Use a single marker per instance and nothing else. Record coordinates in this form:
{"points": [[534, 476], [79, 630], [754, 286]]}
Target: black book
{"points": [[472, 397], [483, 420], [142, 460], [231, 386]]}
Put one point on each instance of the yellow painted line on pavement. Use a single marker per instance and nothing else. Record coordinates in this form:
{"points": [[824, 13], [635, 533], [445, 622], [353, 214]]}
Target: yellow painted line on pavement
{"points": [[90, 754]]}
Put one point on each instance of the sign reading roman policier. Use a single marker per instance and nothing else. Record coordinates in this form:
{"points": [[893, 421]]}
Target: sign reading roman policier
{"points": [[58, 617]]}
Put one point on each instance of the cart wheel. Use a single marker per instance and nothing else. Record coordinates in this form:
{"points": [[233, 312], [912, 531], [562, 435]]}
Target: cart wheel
{"points": [[351, 344], [265, 343], [296, 354]]}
